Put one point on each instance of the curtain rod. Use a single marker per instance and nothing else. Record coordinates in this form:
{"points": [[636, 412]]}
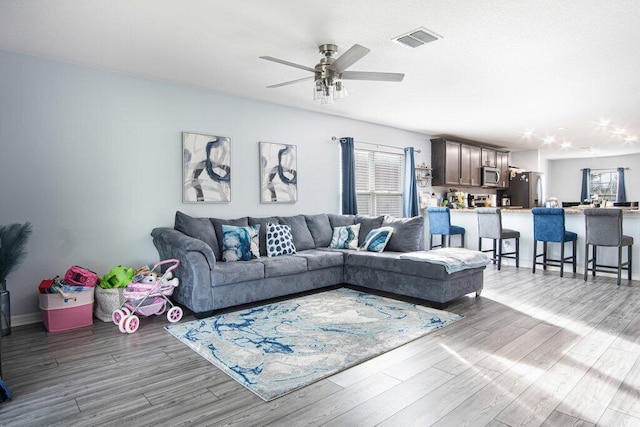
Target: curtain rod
{"points": [[602, 169], [333, 138]]}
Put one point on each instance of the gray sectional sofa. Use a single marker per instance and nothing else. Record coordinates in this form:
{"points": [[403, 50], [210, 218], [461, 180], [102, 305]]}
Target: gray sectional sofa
{"points": [[208, 284]]}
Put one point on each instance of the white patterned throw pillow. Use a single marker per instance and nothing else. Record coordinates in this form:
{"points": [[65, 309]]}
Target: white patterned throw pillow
{"points": [[376, 239], [345, 237], [240, 243], [279, 240]]}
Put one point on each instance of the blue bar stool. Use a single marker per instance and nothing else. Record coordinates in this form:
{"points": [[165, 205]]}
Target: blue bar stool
{"points": [[440, 223], [604, 228], [490, 227], [548, 226]]}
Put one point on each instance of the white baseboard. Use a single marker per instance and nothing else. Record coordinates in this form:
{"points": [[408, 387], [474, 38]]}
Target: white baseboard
{"points": [[26, 319]]}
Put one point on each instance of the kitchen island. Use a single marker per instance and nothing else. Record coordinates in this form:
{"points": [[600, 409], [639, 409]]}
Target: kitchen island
{"points": [[522, 221]]}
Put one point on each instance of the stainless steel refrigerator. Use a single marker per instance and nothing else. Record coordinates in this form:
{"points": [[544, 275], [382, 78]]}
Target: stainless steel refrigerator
{"points": [[525, 189]]}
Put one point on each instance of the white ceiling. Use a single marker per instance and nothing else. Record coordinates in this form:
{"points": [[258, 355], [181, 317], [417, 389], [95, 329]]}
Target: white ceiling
{"points": [[502, 66]]}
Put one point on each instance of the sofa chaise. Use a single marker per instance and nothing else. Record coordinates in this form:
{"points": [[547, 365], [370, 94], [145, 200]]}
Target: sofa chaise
{"points": [[208, 283]]}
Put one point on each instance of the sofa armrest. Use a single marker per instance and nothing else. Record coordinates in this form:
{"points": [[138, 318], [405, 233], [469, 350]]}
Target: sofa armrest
{"points": [[170, 238], [196, 267]]}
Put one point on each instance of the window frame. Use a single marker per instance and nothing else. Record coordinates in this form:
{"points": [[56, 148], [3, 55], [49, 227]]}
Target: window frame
{"points": [[612, 184], [372, 194]]}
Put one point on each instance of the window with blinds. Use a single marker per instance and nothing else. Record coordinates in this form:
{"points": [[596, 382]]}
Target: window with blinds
{"points": [[379, 182]]}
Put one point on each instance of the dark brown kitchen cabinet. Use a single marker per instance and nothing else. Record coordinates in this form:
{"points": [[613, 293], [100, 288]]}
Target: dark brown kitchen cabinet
{"points": [[475, 166], [455, 163], [503, 165], [489, 158]]}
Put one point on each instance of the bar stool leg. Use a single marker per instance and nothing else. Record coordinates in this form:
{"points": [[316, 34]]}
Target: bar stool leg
{"points": [[494, 253], [575, 257], [586, 261], [619, 264], [594, 260], [517, 252], [479, 244], [462, 237], [430, 241], [629, 258], [544, 255], [562, 259], [499, 254], [535, 255]]}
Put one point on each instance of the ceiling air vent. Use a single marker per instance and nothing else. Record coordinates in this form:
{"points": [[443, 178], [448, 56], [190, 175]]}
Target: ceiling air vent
{"points": [[417, 38]]}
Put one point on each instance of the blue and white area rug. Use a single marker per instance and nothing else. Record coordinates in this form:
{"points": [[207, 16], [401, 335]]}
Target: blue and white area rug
{"points": [[277, 348]]}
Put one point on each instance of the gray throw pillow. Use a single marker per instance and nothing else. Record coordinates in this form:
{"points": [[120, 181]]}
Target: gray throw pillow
{"points": [[263, 230], [341, 220], [198, 228], [408, 234], [367, 223], [217, 225], [320, 229], [302, 238]]}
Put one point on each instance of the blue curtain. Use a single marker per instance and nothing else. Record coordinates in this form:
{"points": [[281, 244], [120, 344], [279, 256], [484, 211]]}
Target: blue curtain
{"points": [[621, 192], [410, 189], [349, 203], [586, 175]]}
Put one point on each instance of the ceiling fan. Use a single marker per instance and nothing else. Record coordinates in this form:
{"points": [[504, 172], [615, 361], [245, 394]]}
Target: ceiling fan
{"points": [[329, 72]]}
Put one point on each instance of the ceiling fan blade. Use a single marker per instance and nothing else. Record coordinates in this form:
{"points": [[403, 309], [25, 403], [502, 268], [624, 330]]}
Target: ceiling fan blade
{"points": [[350, 57], [290, 64], [366, 75], [290, 82]]}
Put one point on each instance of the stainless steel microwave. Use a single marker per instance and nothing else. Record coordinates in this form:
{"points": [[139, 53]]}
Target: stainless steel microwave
{"points": [[490, 177]]}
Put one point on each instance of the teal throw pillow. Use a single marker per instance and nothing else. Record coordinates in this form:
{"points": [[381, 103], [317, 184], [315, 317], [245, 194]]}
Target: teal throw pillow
{"points": [[345, 237], [376, 239], [240, 243], [279, 240]]}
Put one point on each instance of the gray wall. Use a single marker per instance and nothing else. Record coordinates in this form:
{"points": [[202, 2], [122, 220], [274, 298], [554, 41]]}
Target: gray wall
{"points": [[93, 160], [567, 175]]}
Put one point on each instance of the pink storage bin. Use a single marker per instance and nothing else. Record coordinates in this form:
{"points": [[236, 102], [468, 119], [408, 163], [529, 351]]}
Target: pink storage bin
{"points": [[62, 314]]}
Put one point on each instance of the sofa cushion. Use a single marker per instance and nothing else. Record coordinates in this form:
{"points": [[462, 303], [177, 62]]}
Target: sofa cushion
{"points": [[318, 259], [341, 220], [408, 234], [240, 243], [302, 237], [217, 225], [376, 239], [391, 261], [320, 229], [367, 223], [345, 237], [226, 273], [279, 240], [263, 230], [283, 265], [198, 228]]}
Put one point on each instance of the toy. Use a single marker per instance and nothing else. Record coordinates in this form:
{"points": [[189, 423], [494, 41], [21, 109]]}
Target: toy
{"points": [[80, 276], [147, 297], [118, 277]]}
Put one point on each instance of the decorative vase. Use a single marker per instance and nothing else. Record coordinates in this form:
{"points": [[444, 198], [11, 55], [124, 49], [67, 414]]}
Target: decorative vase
{"points": [[5, 309]]}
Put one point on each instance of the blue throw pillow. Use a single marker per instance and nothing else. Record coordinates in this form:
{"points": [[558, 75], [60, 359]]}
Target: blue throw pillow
{"points": [[345, 237], [279, 240], [240, 243], [376, 239]]}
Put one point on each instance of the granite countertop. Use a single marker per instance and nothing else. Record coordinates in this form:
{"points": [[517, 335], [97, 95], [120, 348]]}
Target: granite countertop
{"points": [[567, 211]]}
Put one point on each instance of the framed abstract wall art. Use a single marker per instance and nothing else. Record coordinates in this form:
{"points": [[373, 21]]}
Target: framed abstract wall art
{"points": [[206, 168], [278, 173]]}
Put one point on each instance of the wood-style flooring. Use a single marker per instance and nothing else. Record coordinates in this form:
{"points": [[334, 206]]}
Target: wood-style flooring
{"points": [[532, 350]]}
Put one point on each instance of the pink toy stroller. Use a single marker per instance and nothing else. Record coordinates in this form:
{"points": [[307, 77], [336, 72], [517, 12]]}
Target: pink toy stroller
{"points": [[148, 295]]}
